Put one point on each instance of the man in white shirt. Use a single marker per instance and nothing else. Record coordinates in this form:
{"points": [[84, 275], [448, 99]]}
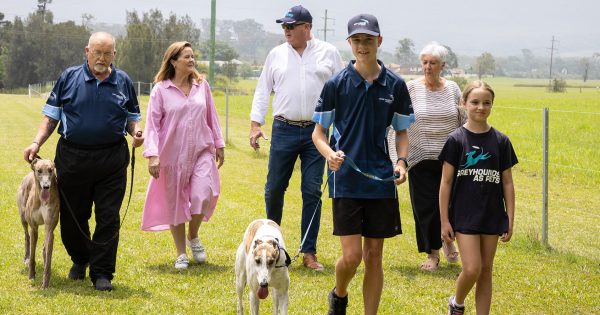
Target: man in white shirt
{"points": [[296, 72]]}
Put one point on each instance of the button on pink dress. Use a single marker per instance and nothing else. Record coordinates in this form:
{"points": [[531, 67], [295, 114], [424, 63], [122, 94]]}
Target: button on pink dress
{"points": [[183, 131]]}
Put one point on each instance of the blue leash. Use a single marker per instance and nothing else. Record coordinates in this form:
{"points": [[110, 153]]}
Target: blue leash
{"points": [[371, 176]]}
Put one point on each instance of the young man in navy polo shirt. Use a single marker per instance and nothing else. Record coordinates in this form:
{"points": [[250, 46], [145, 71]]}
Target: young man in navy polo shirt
{"points": [[96, 105], [359, 103]]}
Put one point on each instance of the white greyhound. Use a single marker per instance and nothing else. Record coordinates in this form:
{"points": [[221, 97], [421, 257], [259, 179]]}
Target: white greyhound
{"points": [[261, 261]]}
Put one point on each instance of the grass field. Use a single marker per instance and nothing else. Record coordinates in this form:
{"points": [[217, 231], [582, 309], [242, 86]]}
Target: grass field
{"points": [[528, 277]]}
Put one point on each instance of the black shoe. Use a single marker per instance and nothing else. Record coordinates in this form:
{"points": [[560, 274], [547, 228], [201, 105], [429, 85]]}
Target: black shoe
{"points": [[103, 284], [77, 272], [337, 305]]}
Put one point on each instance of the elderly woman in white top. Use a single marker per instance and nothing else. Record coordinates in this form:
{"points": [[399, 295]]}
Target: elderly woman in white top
{"points": [[435, 102]]}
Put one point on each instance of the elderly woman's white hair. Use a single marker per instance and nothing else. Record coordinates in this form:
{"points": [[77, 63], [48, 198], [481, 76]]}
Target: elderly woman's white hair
{"points": [[436, 50]]}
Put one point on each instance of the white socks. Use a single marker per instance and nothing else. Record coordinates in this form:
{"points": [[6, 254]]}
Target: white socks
{"points": [[454, 302]]}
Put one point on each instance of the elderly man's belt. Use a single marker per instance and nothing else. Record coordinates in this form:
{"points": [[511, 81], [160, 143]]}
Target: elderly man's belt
{"points": [[298, 123]]}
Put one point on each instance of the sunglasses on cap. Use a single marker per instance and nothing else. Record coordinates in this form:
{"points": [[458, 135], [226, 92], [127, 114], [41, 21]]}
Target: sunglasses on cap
{"points": [[290, 26]]}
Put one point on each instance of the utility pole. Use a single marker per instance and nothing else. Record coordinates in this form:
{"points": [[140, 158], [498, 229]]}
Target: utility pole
{"points": [[42, 8], [211, 64], [324, 29], [551, 57]]}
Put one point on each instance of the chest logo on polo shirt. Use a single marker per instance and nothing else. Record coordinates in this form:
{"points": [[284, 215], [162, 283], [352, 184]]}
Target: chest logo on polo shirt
{"points": [[120, 96], [387, 100]]}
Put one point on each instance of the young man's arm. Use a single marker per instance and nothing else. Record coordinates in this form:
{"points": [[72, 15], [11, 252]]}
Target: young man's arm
{"points": [[509, 200], [445, 189], [334, 159]]}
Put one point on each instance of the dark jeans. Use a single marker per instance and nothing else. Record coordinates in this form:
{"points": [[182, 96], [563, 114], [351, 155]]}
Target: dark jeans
{"points": [[95, 176], [287, 143]]}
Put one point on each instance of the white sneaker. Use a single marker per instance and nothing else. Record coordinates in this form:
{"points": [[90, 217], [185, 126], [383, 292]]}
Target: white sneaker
{"points": [[182, 262], [198, 251]]}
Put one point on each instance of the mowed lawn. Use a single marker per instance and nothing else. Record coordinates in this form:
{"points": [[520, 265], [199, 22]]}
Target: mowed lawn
{"points": [[528, 277]]}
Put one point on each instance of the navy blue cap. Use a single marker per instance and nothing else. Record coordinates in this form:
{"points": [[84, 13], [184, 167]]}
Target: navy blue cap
{"points": [[363, 24], [296, 14]]}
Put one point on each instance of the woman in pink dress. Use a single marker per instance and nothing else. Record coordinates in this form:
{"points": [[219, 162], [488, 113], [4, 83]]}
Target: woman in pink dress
{"points": [[183, 146]]}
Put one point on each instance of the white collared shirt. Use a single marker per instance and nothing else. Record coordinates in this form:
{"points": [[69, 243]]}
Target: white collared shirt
{"points": [[296, 80]]}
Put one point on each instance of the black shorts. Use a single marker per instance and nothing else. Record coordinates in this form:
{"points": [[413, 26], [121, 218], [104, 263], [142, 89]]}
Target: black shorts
{"points": [[373, 218]]}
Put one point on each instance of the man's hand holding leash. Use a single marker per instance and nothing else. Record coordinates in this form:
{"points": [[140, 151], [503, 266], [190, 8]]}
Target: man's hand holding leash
{"points": [[400, 172], [255, 133], [31, 151], [335, 160], [138, 138]]}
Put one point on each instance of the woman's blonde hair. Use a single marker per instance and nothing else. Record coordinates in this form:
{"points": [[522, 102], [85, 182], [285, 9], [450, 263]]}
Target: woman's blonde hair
{"points": [[475, 85], [167, 71]]}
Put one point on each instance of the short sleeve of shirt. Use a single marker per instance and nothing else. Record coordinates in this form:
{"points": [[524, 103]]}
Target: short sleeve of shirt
{"points": [[53, 107], [403, 111], [325, 109], [133, 107], [508, 157], [451, 151]]}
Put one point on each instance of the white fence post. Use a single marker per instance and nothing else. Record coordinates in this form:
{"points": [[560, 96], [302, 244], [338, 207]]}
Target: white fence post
{"points": [[227, 115]]}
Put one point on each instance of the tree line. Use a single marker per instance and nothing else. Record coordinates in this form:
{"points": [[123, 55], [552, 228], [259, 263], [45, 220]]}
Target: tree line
{"points": [[527, 65], [35, 49]]}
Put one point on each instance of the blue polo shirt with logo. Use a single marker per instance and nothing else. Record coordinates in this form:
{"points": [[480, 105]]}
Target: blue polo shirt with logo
{"points": [[92, 112], [359, 114]]}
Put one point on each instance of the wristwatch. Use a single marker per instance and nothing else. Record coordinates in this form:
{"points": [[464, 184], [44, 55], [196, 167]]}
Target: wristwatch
{"points": [[402, 159]]}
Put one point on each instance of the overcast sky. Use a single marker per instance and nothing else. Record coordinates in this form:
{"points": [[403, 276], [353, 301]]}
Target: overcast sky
{"points": [[502, 27]]}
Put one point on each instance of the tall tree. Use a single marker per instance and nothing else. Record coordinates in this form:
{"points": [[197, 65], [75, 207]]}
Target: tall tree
{"points": [[139, 47], [485, 64], [405, 52], [19, 57], [451, 59], [528, 59], [5, 27], [585, 68], [223, 52], [147, 39]]}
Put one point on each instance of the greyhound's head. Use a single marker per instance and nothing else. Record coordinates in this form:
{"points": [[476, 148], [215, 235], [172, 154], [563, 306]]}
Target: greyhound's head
{"points": [[45, 176], [266, 253]]}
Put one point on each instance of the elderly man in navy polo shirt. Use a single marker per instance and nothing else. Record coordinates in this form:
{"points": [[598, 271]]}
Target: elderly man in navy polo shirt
{"points": [[96, 105]]}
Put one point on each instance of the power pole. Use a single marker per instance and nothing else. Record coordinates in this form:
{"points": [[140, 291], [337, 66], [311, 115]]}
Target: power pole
{"points": [[42, 7], [211, 64], [324, 29], [551, 58]]}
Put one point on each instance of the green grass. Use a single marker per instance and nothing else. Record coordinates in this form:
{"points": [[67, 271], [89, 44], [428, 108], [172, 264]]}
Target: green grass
{"points": [[528, 277]]}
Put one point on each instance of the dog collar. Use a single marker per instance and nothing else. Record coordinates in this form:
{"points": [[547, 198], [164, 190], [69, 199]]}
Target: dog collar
{"points": [[288, 259]]}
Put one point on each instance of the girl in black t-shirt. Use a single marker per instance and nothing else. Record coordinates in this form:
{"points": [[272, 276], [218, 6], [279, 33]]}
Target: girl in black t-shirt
{"points": [[477, 196]]}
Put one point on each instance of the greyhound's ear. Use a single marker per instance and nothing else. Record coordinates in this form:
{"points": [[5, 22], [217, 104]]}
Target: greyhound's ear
{"points": [[32, 164]]}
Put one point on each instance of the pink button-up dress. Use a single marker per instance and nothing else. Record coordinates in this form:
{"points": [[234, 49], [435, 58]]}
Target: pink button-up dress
{"points": [[183, 131]]}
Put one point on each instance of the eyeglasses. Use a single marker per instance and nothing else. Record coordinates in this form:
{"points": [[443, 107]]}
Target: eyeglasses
{"points": [[106, 54], [290, 26]]}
